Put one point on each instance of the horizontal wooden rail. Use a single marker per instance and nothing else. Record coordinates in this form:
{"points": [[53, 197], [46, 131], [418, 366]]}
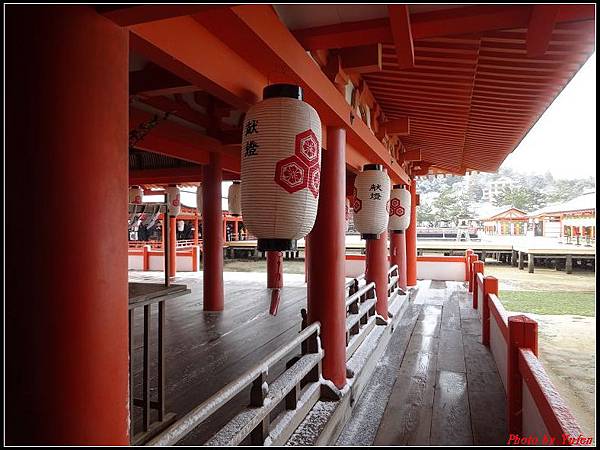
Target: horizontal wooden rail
{"points": [[498, 312], [554, 412], [360, 314], [393, 277], [307, 338]]}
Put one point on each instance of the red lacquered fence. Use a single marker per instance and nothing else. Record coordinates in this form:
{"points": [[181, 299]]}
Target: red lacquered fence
{"points": [[534, 406]]}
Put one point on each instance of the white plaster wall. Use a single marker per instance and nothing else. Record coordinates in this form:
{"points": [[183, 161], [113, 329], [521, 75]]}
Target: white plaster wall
{"points": [[533, 424], [441, 271], [354, 268], [499, 349], [135, 262]]}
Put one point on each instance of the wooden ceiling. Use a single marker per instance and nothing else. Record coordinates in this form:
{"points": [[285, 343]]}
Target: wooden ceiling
{"points": [[472, 80], [472, 99]]}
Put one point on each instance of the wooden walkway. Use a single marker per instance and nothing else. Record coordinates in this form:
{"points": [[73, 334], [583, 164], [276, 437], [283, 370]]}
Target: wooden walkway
{"points": [[205, 351], [440, 384]]}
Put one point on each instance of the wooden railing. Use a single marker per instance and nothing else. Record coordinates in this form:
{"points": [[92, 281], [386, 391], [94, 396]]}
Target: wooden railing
{"points": [[298, 385], [393, 278], [534, 407], [157, 245], [360, 315]]}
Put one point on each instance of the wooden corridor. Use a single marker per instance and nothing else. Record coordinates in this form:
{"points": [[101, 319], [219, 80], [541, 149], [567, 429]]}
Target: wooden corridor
{"points": [[440, 383], [205, 351]]}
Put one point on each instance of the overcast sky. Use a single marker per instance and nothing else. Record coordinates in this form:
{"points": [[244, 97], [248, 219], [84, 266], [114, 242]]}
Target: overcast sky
{"points": [[564, 139]]}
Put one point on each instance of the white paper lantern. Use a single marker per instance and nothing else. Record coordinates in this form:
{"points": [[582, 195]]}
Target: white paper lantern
{"points": [[371, 196], [399, 208], [173, 201], [199, 200], [281, 168], [136, 195], [234, 199], [180, 225]]}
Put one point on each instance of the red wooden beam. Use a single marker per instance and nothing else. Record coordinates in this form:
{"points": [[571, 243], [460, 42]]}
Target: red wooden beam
{"points": [[179, 109], [399, 126], [363, 59], [174, 140], [448, 22], [256, 32], [179, 175], [190, 51], [402, 34], [154, 80], [165, 176], [133, 15], [411, 155], [541, 26]]}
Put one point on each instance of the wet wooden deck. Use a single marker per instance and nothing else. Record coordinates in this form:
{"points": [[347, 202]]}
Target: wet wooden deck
{"points": [[205, 351], [447, 388]]}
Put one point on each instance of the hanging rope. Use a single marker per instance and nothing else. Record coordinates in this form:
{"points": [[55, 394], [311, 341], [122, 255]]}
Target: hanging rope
{"points": [[140, 132]]}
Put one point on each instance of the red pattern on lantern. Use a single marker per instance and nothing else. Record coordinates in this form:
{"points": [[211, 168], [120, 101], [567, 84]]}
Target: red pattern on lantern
{"points": [[356, 202], [314, 180], [395, 208], [291, 174], [302, 169]]}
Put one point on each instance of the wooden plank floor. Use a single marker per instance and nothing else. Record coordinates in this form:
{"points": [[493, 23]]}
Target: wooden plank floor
{"points": [[447, 390], [205, 351]]}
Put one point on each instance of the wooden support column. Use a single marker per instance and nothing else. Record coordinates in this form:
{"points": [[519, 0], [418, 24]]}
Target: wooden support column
{"points": [[398, 256], [411, 238], [326, 273], [377, 266], [569, 264], [172, 246], [66, 335], [530, 264], [522, 333], [196, 229], [274, 270], [521, 260], [236, 230], [212, 219]]}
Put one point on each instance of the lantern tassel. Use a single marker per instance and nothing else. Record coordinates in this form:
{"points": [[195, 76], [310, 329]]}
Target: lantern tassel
{"points": [[276, 293]]}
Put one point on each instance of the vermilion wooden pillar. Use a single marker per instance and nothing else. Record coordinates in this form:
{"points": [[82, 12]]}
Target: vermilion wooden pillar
{"points": [[172, 246], [398, 256], [212, 222], [326, 281], [196, 230], [274, 269], [377, 266], [411, 238], [66, 143]]}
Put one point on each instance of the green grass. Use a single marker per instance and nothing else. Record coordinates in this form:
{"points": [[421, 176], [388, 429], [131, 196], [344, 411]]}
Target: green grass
{"points": [[540, 302]]}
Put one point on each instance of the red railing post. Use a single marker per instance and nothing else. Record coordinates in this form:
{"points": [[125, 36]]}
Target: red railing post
{"points": [[146, 263], [172, 246], [468, 253], [478, 267], [472, 259], [490, 286], [522, 333], [195, 258]]}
